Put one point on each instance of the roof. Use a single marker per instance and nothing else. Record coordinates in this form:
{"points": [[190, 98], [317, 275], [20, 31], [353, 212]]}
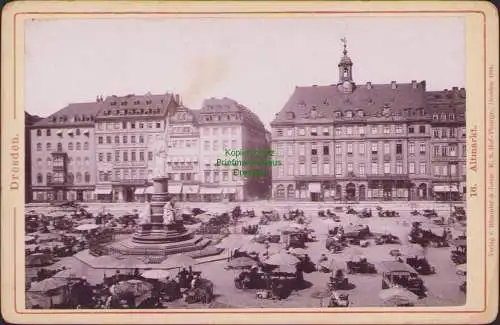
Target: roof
{"points": [[31, 119], [393, 266], [321, 102], [134, 105], [72, 114], [228, 105], [447, 101]]}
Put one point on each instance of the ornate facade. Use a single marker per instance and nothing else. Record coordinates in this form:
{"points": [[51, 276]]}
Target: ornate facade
{"points": [[347, 141]]}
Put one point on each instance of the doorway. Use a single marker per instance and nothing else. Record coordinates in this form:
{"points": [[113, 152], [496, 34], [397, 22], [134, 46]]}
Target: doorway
{"points": [[79, 196], [315, 197], [128, 194]]}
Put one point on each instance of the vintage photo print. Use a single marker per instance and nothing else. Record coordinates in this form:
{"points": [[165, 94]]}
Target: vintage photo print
{"points": [[249, 162]]}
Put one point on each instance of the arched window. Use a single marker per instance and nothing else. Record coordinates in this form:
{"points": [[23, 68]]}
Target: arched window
{"points": [[78, 177], [39, 162], [78, 161], [71, 178], [48, 146], [49, 178], [87, 177], [70, 146], [78, 146], [280, 192], [59, 147], [49, 162], [39, 178], [85, 146], [290, 191], [39, 132], [38, 147], [86, 161]]}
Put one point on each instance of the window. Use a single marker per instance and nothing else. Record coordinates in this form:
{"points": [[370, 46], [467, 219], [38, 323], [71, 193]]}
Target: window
{"points": [[445, 170], [399, 129], [444, 132], [314, 149], [348, 114], [326, 150], [422, 168], [206, 145], [453, 170], [453, 132], [150, 155], [78, 146], [87, 177], [349, 149], [338, 131], [215, 145], [132, 125], [361, 148], [374, 130], [70, 146], [39, 132], [421, 129], [290, 149], [99, 140], [302, 169], [108, 156], [453, 151], [132, 139], [349, 130], [422, 148], [387, 168], [125, 139], [101, 156], [233, 143], [216, 177], [464, 150], [302, 149], [435, 116], [326, 169], [314, 131], [338, 169], [279, 132], [464, 132], [207, 177], [125, 156], [49, 145], [443, 116], [411, 129], [437, 151], [314, 169], [59, 146], [437, 133], [361, 169], [117, 139], [302, 131], [117, 155], [39, 178], [108, 140], [225, 176], [326, 131], [158, 125], [338, 149], [399, 148], [387, 148], [399, 168], [215, 131], [350, 167], [290, 170], [411, 168], [361, 130], [374, 148], [338, 114], [387, 130], [85, 146], [133, 155], [374, 168], [49, 178], [437, 170]]}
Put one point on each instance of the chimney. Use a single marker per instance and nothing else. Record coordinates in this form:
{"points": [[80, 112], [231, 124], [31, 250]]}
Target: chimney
{"points": [[455, 88], [368, 85], [393, 84], [414, 84]]}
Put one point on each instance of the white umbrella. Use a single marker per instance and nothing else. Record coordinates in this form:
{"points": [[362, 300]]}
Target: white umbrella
{"points": [[397, 296], [28, 238], [282, 259], [47, 285], [87, 227], [156, 274], [462, 269]]}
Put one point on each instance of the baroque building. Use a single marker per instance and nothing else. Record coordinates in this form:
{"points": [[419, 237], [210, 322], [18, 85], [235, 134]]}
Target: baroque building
{"points": [[62, 154], [29, 120], [349, 141]]}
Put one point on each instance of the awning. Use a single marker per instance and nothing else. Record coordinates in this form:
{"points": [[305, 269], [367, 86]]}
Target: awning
{"points": [[103, 190], [190, 189], [71, 131], [59, 132], [445, 188], [86, 132], [229, 191], [139, 191], [210, 190], [149, 190], [175, 189], [315, 187]]}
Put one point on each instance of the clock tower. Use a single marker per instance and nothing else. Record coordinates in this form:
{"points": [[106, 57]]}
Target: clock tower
{"points": [[345, 84]]}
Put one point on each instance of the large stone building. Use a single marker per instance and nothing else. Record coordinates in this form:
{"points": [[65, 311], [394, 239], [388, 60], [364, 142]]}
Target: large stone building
{"points": [[127, 129], [62, 154], [104, 150], [29, 120], [346, 141], [448, 152]]}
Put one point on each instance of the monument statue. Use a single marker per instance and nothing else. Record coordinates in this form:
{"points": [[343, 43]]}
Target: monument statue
{"points": [[160, 157], [169, 212]]}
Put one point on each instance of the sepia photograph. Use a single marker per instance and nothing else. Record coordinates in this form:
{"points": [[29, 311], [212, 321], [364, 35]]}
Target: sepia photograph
{"points": [[225, 162]]}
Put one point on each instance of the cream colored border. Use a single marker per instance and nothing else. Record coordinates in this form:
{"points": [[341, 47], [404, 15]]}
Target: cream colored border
{"points": [[477, 310]]}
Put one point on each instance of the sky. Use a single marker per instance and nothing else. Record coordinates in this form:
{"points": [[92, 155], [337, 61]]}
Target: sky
{"points": [[255, 61]]}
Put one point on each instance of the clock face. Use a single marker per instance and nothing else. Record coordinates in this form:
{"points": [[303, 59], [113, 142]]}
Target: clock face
{"points": [[346, 84]]}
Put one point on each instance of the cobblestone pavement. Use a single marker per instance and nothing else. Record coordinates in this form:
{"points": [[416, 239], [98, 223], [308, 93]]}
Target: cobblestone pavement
{"points": [[443, 287]]}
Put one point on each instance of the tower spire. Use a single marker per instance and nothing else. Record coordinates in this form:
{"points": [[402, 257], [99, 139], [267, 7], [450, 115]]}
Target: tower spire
{"points": [[344, 40]]}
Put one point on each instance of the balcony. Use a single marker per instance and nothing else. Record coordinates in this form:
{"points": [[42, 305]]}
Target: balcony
{"points": [[56, 183]]}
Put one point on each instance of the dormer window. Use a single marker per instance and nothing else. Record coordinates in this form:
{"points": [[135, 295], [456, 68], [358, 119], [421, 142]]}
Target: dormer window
{"points": [[443, 116], [338, 114], [113, 103], [361, 113], [451, 116], [124, 103], [148, 102], [137, 102], [290, 115], [314, 132], [348, 114]]}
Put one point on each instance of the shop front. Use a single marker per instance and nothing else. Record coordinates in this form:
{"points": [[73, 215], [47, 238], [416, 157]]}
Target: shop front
{"points": [[315, 193], [191, 193], [211, 194], [229, 193], [175, 191], [103, 193], [446, 192]]}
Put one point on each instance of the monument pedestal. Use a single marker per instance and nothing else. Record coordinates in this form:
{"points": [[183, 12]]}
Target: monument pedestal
{"points": [[156, 232]]}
